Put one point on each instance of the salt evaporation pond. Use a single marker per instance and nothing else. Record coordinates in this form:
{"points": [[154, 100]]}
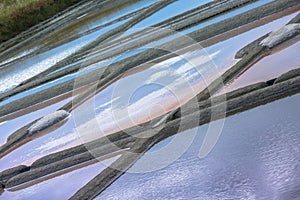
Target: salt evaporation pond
{"points": [[107, 114], [256, 157]]}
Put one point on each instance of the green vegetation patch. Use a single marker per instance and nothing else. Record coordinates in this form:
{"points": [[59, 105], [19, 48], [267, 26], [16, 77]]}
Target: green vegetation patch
{"points": [[19, 15]]}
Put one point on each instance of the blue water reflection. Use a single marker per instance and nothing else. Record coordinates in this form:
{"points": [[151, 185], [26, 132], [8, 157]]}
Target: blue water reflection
{"points": [[256, 157]]}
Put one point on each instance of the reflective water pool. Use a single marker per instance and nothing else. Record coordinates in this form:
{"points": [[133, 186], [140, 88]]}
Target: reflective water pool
{"points": [[256, 157], [61, 186], [268, 68]]}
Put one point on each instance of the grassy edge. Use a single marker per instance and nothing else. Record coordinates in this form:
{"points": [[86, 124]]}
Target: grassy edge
{"points": [[21, 15]]}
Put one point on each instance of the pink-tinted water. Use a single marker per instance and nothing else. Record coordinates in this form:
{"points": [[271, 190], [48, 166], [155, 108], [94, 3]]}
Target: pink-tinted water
{"points": [[268, 68]]}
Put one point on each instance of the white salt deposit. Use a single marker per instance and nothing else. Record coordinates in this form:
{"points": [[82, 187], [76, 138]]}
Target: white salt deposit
{"points": [[1, 123], [48, 121], [281, 35]]}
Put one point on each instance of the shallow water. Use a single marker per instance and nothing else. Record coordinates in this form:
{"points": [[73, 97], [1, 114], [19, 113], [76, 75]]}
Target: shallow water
{"points": [[181, 33], [90, 23], [161, 88], [268, 68], [29, 152], [52, 83], [256, 157], [19, 55], [60, 187], [169, 11], [226, 15], [161, 14], [22, 71]]}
